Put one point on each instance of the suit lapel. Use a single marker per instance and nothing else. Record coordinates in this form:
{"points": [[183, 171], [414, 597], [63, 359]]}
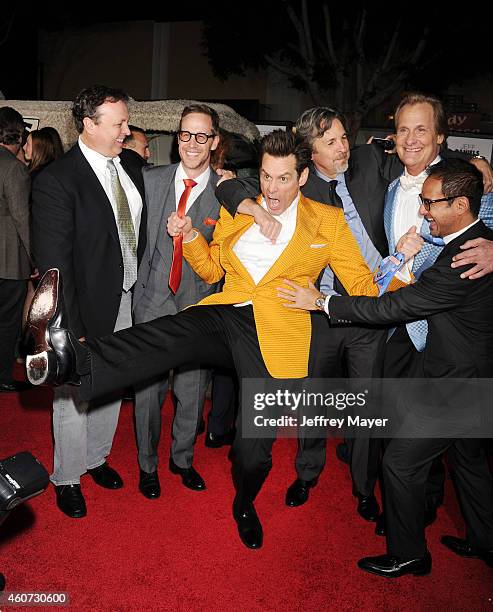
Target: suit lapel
{"points": [[206, 204], [91, 182], [241, 224], [388, 213], [163, 194], [305, 231]]}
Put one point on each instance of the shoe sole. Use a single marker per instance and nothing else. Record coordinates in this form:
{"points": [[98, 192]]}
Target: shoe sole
{"points": [[37, 367], [41, 311], [425, 572]]}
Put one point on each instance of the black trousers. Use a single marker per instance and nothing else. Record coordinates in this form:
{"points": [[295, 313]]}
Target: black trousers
{"points": [[12, 296], [218, 336], [402, 360], [224, 402], [406, 465], [354, 352]]}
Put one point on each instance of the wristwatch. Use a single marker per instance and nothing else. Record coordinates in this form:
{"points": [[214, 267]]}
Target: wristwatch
{"points": [[320, 302], [480, 157]]}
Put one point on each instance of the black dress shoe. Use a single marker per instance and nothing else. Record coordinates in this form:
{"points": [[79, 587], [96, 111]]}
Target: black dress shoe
{"points": [[53, 351], [149, 484], [381, 526], [105, 476], [14, 387], [219, 440], [189, 476], [368, 507], [297, 494], [70, 500], [464, 549], [249, 526], [393, 567]]}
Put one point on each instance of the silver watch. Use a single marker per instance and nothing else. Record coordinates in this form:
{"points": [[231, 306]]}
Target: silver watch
{"points": [[320, 302]]}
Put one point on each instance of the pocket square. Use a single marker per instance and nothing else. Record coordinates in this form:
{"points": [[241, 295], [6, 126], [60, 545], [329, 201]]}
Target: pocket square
{"points": [[210, 221], [318, 246]]}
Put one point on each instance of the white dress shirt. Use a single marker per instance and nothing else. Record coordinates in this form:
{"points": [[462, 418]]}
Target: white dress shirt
{"points": [[201, 181], [256, 252], [99, 164], [406, 214], [455, 235]]}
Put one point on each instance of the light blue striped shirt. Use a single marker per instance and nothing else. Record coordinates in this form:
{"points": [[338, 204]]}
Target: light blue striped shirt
{"points": [[366, 246]]}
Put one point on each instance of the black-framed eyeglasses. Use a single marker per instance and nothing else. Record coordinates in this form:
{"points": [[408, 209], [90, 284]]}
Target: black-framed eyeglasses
{"points": [[427, 202], [200, 137]]}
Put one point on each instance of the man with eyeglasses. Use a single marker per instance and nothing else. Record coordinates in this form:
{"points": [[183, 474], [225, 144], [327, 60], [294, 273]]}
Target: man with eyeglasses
{"points": [[459, 313], [166, 284]]}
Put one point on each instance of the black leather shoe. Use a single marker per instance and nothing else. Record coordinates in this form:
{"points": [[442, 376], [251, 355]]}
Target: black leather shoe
{"points": [[217, 441], [368, 507], [464, 549], [149, 484], [70, 500], [53, 351], [14, 387], [249, 526], [381, 526], [105, 476], [298, 493], [393, 567], [189, 476]]}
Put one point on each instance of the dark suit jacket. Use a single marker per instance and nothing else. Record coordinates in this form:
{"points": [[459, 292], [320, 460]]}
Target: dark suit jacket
{"points": [[15, 249], [74, 229], [459, 313]]}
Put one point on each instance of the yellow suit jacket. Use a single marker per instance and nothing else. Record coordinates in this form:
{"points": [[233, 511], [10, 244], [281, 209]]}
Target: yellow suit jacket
{"points": [[321, 237]]}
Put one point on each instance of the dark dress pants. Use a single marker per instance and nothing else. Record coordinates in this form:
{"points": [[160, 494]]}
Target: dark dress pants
{"points": [[339, 351], [215, 335], [224, 402], [12, 296], [402, 360], [406, 466]]}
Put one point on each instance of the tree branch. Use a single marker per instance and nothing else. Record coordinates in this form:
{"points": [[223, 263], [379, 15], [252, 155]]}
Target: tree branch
{"points": [[307, 31], [8, 28], [328, 35]]}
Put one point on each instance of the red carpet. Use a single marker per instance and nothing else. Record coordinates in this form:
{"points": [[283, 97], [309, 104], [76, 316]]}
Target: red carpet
{"points": [[182, 551]]}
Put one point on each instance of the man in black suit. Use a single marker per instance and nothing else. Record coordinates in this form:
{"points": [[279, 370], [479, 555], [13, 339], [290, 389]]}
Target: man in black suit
{"points": [[87, 211], [460, 319]]}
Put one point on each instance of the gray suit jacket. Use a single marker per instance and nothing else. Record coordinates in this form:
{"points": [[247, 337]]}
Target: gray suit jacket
{"points": [[15, 187], [152, 296]]}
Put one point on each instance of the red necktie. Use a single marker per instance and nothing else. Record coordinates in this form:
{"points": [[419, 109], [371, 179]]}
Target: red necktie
{"points": [[176, 264]]}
